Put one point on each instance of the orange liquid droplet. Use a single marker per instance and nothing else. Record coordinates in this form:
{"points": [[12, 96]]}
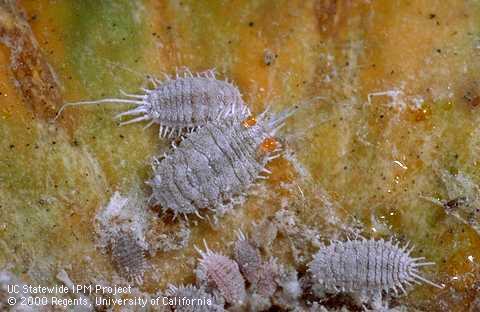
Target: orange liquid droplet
{"points": [[249, 122], [268, 145]]}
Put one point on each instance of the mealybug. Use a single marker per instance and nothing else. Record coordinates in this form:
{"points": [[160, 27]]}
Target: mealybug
{"points": [[120, 227], [366, 265], [215, 165], [183, 103], [129, 257], [247, 257], [266, 281], [222, 273]]}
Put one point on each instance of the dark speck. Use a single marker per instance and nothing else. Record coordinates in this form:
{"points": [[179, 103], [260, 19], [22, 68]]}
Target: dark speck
{"points": [[251, 24], [12, 146], [455, 203], [268, 57], [432, 16]]}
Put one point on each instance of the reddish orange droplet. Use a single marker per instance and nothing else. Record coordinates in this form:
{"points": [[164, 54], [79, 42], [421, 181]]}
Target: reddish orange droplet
{"points": [[269, 145], [475, 101], [249, 122]]}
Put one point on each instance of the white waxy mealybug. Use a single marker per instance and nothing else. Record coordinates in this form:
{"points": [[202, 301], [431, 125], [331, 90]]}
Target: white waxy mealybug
{"points": [[247, 257], [192, 299], [223, 274], [186, 102], [366, 265], [214, 166]]}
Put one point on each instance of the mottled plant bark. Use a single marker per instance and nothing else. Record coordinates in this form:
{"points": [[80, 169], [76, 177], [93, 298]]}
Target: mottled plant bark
{"points": [[34, 77]]}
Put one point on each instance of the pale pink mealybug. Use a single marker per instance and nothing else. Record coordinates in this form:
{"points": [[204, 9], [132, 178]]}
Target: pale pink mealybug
{"points": [[366, 265], [223, 274], [186, 102], [214, 166]]}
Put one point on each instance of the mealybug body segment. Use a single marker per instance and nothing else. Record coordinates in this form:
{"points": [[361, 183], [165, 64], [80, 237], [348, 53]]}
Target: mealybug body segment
{"points": [[186, 102], [222, 273], [366, 265], [213, 166]]}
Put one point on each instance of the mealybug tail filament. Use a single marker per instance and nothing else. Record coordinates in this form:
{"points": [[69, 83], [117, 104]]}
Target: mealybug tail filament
{"points": [[140, 106]]}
